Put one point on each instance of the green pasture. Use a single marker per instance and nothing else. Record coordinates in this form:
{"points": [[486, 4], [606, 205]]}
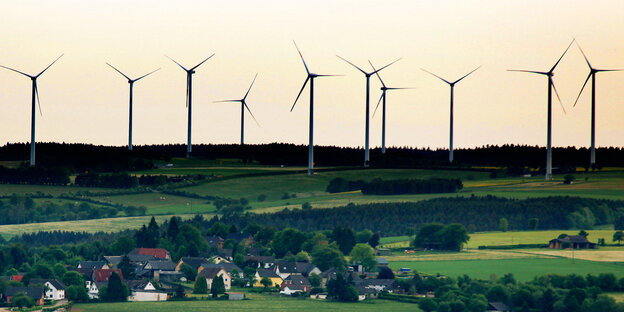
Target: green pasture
{"points": [[530, 237], [158, 203], [256, 303], [523, 269]]}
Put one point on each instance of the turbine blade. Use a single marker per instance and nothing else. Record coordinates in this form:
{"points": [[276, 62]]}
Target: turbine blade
{"points": [[119, 71], [38, 101], [340, 57], [399, 88], [388, 65], [329, 75], [177, 63], [146, 75], [458, 80], [304, 63], [300, 91], [49, 65], [579, 95], [564, 52], [586, 60], [188, 87], [435, 75], [202, 62], [252, 82], [377, 73], [528, 71], [250, 113], [383, 93], [607, 70], [557, 93], [17, 71], [227, 101]]}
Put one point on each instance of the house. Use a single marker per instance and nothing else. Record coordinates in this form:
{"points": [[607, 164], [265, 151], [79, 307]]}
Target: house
{"points": [[497, 307], [260, 261], [276, 280], [384, 252], [226, 254], [297, 280], [140, 259], [571, 241], [54, 289], [381, 261], [232, 269], [193, 262], [242, 238], [34, 292], [215, 241], [156, 252], [371, 288], [169, 277], [219, 259], [331, 274], [93, 288], [235, 296], [93, 265], [16, 277], [285, 269], [291, 289], [211, 273], [321, 296], [113, 261], [102, 275], [142, 290]]}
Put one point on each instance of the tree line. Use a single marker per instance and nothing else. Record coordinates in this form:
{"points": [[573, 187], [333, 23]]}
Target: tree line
{"points": [[475, 212]]}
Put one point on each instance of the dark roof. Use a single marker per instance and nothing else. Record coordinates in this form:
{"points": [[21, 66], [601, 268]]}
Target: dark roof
{"points": [[573, 239], [160, 265], [498, 306], [267, 273], [295, 287], [194, 262], [41, 281], [140, 258], [137, 284], [102, 275], [238, 237], [34, 292], [229, 267], [214, 240], [297, 280], [375, 282], [86, 273], [329, 273], [294, 267], [210, 272], [261, 259], [226, 253], [91, 264], [113, 260], [382, 261]]}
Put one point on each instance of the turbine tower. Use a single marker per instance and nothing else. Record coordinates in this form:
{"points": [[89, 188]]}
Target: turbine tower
{"points": [[592, 75], [189, 98], [384, 89], [452, 85], [131, 82], [310, 77], [35, 93], [243, 106], [366, 135], [551, 87]]}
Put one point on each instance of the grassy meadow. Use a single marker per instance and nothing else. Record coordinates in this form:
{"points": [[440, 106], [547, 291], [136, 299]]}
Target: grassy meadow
{"points": [[256, 302]]}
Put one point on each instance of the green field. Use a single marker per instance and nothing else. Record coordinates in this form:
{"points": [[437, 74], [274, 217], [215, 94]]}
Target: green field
{"points": [[523, 269], [256, 303]]}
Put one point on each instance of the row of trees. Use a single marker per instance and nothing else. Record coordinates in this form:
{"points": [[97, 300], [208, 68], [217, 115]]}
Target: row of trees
{"points": [[34, 175], [480, 214], [411, 186]]}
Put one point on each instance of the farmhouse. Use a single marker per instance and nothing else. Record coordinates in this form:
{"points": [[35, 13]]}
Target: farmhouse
{"points": [[34, 292], [211, 273], [284, 269], [102, 275], [297, 280], [55, 290], [571, 241], [145, 291], [276, 280], [193, 262], [155, 252], [93, 265]]}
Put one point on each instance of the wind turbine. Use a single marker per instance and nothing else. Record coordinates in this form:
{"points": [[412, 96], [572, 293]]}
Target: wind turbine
{"points": [[243, 106], [452, 85], [551, 86], [366, 135], [592, 75], [35, 93], [189, 98], [131, 82], [310, 77], [384, 89]]}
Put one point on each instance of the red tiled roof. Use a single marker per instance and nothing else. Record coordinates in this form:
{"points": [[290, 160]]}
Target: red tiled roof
{"points": [[156, 252], [102, 275]]}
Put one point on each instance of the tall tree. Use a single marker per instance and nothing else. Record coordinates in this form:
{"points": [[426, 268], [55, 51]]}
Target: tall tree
{"points": [[127, 269], [173, 229], [374, 240], [200, 286], [345, 238], [218, 286], [116, 290], [365, 255]]}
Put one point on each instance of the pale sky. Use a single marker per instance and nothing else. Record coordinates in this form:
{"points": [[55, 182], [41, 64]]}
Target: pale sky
{"points": [[85, 101]]}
